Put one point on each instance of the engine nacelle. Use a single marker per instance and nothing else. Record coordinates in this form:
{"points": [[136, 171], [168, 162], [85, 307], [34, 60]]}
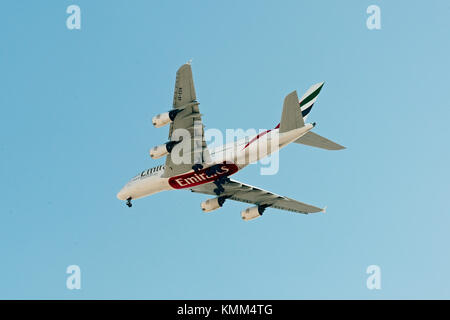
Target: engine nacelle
{"points": [[212, 204], [162, 150], [158, 151], [252, 213], [162, 119]]}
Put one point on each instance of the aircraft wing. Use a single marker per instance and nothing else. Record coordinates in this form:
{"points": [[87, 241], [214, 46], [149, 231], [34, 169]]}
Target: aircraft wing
{"points": [[242, 192], [192, 150]]}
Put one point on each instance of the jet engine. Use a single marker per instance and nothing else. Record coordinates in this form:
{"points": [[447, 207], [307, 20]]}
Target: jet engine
{"points": [[162, 150], [252, 213], [162, 119], [212, 204]]}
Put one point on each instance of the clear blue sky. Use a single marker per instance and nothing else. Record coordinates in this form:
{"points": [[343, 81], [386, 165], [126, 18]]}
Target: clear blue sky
{"points": [[75, 123]]}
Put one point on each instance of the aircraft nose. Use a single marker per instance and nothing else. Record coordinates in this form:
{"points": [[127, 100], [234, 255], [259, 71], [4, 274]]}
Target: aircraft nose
{"points": [[122, 195]]}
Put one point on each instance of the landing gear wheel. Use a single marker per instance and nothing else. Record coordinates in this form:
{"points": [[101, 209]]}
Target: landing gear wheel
{"points": [[213, 170], [197, 167], [224, 180], [219, 189], [129, 204]]}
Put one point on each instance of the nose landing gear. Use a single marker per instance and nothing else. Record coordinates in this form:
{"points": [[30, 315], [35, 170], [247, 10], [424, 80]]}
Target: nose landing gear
{"points": [[129, 204]]}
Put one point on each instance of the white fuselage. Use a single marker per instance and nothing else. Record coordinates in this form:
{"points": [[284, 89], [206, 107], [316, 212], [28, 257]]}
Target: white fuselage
{"points": [[240, 153]]}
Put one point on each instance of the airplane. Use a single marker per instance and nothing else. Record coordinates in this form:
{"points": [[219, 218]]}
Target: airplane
{"points": [[208, 171]]}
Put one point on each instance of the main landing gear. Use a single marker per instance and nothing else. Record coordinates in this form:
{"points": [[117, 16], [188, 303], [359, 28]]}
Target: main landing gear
{"points": [[213, 169], [129, 204], [197, 167], [219, 184], [210, 172]]}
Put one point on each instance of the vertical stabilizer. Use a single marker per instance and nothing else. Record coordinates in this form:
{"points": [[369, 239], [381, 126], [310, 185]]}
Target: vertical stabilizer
{"points": [[309, 98]]}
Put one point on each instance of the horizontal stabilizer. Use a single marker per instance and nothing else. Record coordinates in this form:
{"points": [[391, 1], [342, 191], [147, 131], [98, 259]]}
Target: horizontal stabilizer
{"points": [[314, 140], [291, 118]]}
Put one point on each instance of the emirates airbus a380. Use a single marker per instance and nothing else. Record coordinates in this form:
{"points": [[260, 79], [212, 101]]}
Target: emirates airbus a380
{"points": [[191, 165]]}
